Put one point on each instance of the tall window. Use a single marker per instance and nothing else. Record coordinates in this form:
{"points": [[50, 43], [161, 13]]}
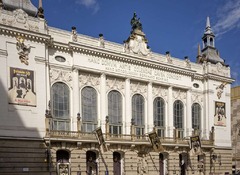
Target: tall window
{"points": [[115, 112], [178, 114], [138, 113], [89, 109], [178, 118], [158, 115], [60, 106], [196, 116]]}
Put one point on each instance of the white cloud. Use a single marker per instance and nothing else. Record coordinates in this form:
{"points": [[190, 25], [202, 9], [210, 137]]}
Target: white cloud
{"points": [[228, 17], [91, 4]]}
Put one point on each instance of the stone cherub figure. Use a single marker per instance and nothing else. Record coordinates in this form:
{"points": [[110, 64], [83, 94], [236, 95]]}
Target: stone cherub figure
{"points": [[23, 49]]}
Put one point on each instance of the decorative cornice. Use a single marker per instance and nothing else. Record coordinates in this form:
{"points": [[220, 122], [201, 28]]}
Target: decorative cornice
{"points": [[76, 47], [29, 35]]}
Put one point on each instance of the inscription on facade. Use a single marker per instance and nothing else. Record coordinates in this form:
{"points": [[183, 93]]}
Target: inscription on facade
{"points": [[134, 70]]}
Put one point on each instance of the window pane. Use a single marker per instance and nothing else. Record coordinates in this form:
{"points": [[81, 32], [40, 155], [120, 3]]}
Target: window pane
{"points": [[196, 116], [159, 113], [178, 114], [89, 108], [60, 95], [138, 109]]}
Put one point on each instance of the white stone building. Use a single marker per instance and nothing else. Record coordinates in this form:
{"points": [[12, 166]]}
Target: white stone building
{"points": [[58, 86]]}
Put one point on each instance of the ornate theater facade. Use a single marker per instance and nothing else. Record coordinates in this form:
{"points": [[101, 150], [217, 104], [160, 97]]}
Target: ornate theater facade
{"points": [[74, 104]]}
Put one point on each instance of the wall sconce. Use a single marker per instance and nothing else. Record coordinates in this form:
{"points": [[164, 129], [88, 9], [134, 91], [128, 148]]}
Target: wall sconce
{"points": [[78, 117], [47, 155]]}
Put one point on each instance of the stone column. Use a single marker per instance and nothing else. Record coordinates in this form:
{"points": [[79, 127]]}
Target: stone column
{"points": [[75, 96], [128, 113], [149, 118], [169, 118], [102, 102]]}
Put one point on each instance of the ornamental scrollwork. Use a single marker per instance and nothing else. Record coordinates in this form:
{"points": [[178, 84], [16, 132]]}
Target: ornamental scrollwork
{"points": [[60, 75], [179, 94], [87, 79], [137, 87], [160, 91], [114, 83]]}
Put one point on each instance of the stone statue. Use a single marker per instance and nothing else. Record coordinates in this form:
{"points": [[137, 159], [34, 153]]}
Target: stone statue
{"points": [[135, 22]]}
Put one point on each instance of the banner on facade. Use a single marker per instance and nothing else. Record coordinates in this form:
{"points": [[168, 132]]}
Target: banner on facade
{"points": [[100, 138], [155, 141], [21, 89], [195, 146], [220, 115]]}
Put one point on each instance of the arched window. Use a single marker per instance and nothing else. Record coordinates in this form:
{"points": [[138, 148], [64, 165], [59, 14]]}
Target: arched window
{"points": [[159, 115], [178, 117], [138, 113], [115, 112], [60, 96], [89, 109], [196, 116]]}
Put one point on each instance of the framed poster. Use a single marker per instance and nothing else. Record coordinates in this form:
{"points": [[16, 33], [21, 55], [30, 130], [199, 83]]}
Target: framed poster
{"points": [[220, 114], [21, 89]]}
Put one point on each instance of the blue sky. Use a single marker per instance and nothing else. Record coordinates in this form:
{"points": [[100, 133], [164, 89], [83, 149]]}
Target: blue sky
{"points": [[169, 25]]}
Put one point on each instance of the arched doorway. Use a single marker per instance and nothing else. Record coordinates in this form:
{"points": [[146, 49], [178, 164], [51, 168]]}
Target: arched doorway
{"points": [[92, 166], [63, 165], [163, 160], [183, 163], [117, 163]]}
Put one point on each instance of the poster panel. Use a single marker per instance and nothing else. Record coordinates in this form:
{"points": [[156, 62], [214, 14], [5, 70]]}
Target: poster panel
{"points": [[220, 114], [21, 89]]}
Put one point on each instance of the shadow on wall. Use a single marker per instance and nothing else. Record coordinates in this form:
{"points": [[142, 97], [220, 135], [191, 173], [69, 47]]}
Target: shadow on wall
{"points": [[22, 149]]}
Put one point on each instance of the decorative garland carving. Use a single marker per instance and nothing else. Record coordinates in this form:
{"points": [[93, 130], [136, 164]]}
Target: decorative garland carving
{"points": [[160, 91], [180, 95], [197, 98], [88, 79], [137, 87], [114, 83], [60, 75]]}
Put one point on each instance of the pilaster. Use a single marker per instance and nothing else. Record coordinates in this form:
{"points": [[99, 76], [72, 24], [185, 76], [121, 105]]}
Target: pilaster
{"points": [[149, 118], [102, 101], [169, 122], [128, 113], [75, 97], [188, 116]]}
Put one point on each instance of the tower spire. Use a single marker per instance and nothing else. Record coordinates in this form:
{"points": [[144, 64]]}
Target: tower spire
{"points": [[209, 52], [208, 29]]}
